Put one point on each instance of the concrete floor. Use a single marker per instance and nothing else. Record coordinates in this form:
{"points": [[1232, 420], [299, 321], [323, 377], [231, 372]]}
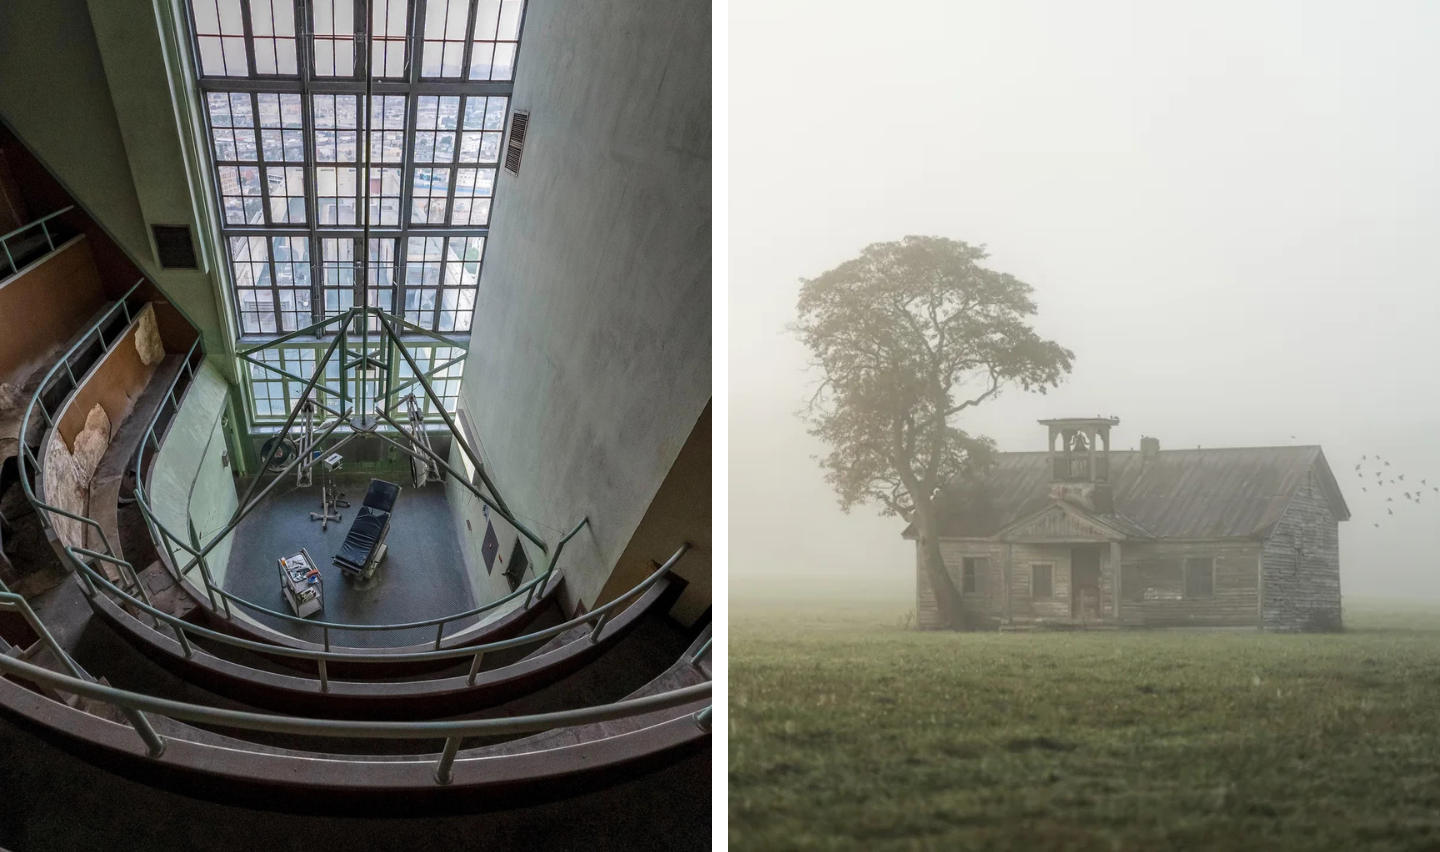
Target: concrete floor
{"points": [[422, 577]]}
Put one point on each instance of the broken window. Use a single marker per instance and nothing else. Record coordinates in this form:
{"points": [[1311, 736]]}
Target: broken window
{"points": [[1042, 581], [1199, 577]]}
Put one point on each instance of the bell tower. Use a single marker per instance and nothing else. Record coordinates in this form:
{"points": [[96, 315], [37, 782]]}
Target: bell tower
{"points": [[1080, 461]]}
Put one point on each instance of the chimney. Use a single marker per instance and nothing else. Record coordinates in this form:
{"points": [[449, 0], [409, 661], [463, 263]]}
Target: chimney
{"points": [[1149, 448]]}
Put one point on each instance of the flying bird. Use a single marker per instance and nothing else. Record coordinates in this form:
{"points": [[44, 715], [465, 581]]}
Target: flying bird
{"points": [[1377, 526], [1391, 511], [1387, 464], [1389, 499], [1363, 488], [1402, 477], [1292, 437]]}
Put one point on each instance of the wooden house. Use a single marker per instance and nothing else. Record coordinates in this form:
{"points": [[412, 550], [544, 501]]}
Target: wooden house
{"points": [[1083, 535]]}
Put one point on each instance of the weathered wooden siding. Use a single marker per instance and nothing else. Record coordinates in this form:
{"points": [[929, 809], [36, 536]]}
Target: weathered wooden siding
{"points": [[1153, 579], [1153, 584], [1301, 565], [1024, 607], [984, 606]]}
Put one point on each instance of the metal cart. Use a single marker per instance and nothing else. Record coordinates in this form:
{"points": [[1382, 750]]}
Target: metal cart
{"points": [[301, 583]]}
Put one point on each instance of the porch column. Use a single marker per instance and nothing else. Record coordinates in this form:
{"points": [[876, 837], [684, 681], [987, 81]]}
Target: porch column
{"points": [[1115, 578], [1009, 561]]}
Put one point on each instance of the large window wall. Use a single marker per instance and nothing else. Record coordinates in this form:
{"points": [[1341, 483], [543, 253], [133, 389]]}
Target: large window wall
{"points": [[304, 161]]}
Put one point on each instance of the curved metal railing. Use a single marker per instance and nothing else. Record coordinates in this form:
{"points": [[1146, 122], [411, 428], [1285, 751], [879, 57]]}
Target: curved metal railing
{"points": [[45, 228], [221, 600], [93, 581], [26, 456], [135, 704]]}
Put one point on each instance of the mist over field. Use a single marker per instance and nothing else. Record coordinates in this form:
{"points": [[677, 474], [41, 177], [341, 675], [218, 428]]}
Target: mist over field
{"points": [[1228, 212]]}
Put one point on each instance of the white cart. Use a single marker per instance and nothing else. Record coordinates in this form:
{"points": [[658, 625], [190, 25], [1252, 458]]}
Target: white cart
{"points": [[301, 584]]}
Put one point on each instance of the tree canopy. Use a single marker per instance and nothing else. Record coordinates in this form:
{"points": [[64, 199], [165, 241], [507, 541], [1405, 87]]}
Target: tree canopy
{"points": [[907, 337]]}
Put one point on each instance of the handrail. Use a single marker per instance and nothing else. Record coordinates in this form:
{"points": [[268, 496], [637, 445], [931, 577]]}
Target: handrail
{"points": [[599, 615], [11, 602], [64, 361], [166, 537], [439, 621], [4, 240], [334, 625], [453, 732], [274, 724], [134, 705]]}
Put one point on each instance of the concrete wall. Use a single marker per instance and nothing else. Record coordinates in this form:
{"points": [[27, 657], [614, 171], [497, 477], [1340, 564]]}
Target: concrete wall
{"points": [[471, 519], [49, 57], [188, 479], [590, 362], [679, 513]]}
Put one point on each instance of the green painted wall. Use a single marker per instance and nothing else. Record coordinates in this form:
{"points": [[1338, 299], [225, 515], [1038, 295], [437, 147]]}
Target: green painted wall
{"points": [[188, 480], [101, 93]]}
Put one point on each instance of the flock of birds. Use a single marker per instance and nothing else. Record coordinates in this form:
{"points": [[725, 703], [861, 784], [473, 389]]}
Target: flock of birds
{"points": [[1386, 477]]}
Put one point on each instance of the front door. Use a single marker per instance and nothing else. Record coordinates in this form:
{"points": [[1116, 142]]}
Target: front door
{"points": [[1085, 582]]}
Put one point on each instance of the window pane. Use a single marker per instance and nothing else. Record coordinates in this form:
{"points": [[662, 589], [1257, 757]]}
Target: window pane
{"points": [[388, 42], [272, 23], [220, 33], [473, 188], [338, 270], [334, 38], [428, 196], [495, 39], [444, 37], [1041, 581]]}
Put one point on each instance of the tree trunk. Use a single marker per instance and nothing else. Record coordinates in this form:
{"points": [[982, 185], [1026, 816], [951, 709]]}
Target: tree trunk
{"points": [[932, 561]]}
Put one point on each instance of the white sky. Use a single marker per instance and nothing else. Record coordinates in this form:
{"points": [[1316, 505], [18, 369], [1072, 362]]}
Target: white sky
{"points": [[1230, 212]]}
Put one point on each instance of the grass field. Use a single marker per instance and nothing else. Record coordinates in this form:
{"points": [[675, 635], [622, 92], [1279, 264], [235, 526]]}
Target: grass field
{"points": [[849, 731]]}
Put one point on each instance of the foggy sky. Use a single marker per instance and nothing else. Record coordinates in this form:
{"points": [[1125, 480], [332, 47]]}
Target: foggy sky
{"points": [[1229, 212]]}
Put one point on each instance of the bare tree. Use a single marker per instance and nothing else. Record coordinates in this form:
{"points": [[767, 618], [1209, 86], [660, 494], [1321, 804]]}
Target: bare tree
{"points": [[908, 336]]}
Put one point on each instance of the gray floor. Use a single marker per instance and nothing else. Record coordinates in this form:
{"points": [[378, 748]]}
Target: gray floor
{"points": [[422, 577]]}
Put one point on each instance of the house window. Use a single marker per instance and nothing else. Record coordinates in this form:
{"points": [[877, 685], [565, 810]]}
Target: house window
{"points": [[1042, 581], [1199, 577], [971, 568], [1132, 580]]}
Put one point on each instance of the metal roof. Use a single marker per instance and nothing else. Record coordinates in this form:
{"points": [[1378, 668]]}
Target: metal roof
{"points": [[1185, 494]]}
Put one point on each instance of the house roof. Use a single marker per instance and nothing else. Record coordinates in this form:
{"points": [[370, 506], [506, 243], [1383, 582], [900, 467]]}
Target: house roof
{"points": [[1185, 494]]}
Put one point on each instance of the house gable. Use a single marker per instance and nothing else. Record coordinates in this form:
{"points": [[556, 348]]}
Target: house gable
{"points": [[1059, 522]]}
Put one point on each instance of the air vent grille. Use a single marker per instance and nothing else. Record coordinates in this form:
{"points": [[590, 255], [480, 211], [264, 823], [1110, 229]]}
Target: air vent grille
{"points": [[519, 123], [174, 246]]}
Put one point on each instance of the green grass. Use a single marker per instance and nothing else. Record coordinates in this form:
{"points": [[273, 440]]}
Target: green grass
{"points": [[848, 731]]}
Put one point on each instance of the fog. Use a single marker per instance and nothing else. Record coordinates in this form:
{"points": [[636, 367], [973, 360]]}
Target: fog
{"points": [[1229, 212]]}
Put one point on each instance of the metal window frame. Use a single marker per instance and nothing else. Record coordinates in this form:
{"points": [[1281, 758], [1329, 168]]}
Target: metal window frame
{"points": [[306, 83], [391, 375]]}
